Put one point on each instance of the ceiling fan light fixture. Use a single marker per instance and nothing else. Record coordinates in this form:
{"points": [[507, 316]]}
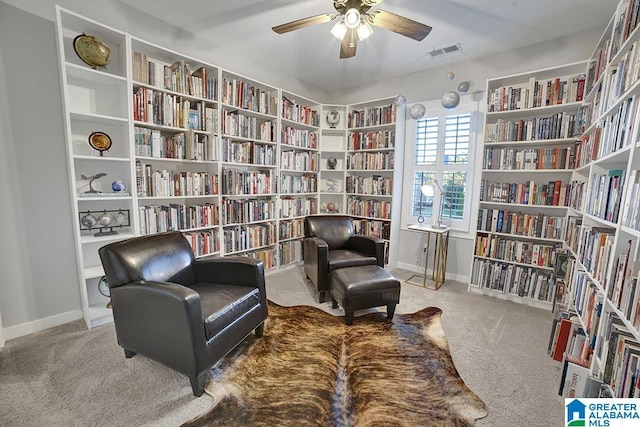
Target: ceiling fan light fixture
{"points": [[364, 30], [352, 18], [339, 30]]}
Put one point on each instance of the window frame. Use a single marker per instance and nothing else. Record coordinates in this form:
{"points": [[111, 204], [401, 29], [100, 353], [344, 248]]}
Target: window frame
{"points": [[435, 109]]}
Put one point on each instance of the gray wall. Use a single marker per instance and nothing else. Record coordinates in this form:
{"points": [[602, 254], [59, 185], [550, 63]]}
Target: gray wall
{"points": [[37, 262], [38, 256]]}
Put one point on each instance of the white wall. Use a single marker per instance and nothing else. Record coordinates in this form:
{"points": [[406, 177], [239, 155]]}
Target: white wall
{"points": [[37, 262], [38, 284]]}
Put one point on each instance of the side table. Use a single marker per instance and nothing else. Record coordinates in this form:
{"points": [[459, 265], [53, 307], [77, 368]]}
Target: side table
{"points": [[441, 247]]}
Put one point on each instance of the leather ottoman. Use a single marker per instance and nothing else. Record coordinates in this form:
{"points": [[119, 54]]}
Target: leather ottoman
{"points": [[364, 286]]}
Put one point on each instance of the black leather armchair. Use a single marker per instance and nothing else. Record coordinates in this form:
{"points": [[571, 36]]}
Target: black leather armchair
{"points": [[330, 244], [184, 313]]}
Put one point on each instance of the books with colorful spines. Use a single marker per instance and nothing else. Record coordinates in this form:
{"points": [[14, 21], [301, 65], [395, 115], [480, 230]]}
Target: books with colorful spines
{"points": [[562, 339]]}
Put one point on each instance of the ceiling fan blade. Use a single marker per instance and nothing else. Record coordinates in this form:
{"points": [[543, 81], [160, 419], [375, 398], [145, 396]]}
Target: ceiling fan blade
{"points": [[349, 44], [399, 24], [304, 22]]}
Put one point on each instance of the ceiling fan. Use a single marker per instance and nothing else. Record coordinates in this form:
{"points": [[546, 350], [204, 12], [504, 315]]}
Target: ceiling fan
{"points": [[355, 20]]}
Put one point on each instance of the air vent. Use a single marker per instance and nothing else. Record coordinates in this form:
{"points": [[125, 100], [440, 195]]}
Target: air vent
{"points": [[445, 50]]}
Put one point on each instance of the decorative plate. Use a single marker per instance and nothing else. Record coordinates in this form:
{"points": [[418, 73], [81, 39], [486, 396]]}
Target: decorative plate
{"points": [[100, 141]]}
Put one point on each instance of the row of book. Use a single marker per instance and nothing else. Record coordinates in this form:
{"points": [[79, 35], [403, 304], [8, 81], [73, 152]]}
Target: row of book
{"points": [[165, 109], [631, 208], [291, 229], [372, 116], [528, 158], [174, 216], [553, 193], [203, 242], [268, 256], [177, 77], [518, 251], [295, 137], [244, 237], [242, 182], [238, 124], [367, 227], [248, 152], [369, 185], [298, 184], [299, 161], [521, 224], [622, 291], [245, 211], [290, 252], [369, 208], [556, 126], [370, 161], [371, 140], [605, 197], [595, 250], [299, 113], [182, 145], [151, 182], [537, 93], [249, 96], [506, 278]]}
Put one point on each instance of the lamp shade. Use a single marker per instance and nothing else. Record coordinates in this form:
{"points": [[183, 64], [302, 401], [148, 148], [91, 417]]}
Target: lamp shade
{"points": [[364, 30], [339, 30], [427, 190]]}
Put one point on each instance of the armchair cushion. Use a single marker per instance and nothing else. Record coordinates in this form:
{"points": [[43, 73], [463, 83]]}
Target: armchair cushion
{"points": [[223, 305], [343, 258]]}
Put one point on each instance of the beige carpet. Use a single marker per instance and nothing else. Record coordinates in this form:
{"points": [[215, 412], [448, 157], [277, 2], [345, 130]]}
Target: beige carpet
{"points": [[70, 376]]}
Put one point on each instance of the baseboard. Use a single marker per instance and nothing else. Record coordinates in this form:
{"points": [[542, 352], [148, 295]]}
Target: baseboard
{"points": [[34, 326], [418, 270]]}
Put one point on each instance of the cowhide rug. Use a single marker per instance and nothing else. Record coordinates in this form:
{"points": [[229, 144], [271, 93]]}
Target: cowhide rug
{"points": [[310, 369]]}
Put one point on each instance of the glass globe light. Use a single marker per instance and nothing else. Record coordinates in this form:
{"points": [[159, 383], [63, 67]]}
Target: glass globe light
{"points": [[352, 18], [450, 100], [463, 87], [417, 111], [400, 100]]}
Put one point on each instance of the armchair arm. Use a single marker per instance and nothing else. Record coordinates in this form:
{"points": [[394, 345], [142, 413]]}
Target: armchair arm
{"points": [[368, 245], [316, 261], [232, 270], [162, 321]]}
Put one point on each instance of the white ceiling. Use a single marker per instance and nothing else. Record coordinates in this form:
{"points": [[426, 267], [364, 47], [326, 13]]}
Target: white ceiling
{"points": [[481, 27]]}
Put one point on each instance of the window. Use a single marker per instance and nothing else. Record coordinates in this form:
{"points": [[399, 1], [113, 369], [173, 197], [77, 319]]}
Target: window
{"points": [[439, 152]]}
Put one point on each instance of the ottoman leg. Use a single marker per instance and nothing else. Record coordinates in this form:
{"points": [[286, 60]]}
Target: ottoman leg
{"points": [[391, 309], [321, 297], [348, 317]]}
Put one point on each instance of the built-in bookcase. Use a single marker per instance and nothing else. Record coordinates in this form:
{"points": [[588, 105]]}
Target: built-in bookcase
{"points": [[527, 188], [233, 163], [598, 311], [299, 167]]}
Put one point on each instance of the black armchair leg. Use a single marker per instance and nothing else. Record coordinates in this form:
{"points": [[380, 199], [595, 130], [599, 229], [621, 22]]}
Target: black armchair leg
{"points": [[259, 330], [197, 384], [348, 317], [391, 309], [129, 354], [322, 296]]}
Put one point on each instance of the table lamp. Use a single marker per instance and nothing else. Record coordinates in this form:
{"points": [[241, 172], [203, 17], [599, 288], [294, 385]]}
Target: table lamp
{"points": [[428, 190]]}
